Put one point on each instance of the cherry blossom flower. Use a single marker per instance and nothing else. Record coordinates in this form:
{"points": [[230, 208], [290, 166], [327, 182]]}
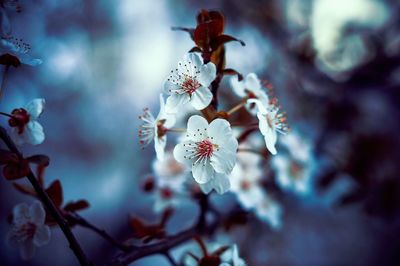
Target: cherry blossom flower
{"points": [[271, 121], [156, 128], [251, 88], [269, 211], [28, 229], [24, 127], [189, 83], [245, 180], [15, 52], [170, 177], [210, 151]]}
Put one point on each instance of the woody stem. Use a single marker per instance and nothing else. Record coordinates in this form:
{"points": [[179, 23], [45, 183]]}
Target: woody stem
{"points": [[3, 80], [178, 130], [237, 107], [48, 203]]}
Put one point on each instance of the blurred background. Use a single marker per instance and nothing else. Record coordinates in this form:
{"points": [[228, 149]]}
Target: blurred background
{"points": [[335, 68]]}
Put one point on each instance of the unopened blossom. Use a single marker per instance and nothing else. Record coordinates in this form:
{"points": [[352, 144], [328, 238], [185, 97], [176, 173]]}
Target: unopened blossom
{"points": [[15, 52], [170, 177], [189, 83], [251, 88], [156, 128], [28, 229], [210, 151], [269, 211], [245, 180], [24, 125], [271, 122]]}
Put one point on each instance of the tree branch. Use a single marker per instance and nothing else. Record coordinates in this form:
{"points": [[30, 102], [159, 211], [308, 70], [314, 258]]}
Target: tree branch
{"points": [[48, 203]]}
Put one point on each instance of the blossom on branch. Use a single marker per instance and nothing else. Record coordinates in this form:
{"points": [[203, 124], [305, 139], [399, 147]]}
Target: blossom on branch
{"points": [[156, 128], [210, 151], [189, 83], [271, 121], [24, 127], [14, 52], [250, 88], [28, 229]]}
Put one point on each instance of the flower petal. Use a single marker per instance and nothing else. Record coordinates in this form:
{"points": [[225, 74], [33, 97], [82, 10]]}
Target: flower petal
{"points": [[181, 153], [163, 115], [42, 235], [207, 74], [159, 146], [27, 249], [170, 87], [223, 160], [20, 212], [202, 171], [220, 131], [175, 101], [270, 140], [197, 128], [201, 98], [33, 133], [237, 86], [220, 183], [195, 59], [252, 83], [37, 213]]}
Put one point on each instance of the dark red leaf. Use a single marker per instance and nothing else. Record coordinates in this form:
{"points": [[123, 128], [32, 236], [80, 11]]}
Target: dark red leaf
{"points": [[207, 16], [17, 170], [188, 30], [9, 60], [7, 157], [76, 205], [55, 193], [204, 33], [222, 39], [25, 189], [40, 159]]}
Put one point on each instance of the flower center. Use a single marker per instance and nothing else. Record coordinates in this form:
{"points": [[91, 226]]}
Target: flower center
{"points": [[166, 193], [161, 130], [296, 170], [190, 85], [25, 231], [205, 149], [245, 184], [20, 117]]}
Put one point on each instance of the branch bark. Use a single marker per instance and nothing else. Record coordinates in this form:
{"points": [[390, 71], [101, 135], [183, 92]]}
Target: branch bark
{"points": [[49, 205]]}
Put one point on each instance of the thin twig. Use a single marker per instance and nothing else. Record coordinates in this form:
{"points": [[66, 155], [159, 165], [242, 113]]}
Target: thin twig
{"points": [[170, 259], [76, 218], [3, 80], [48, 203]]}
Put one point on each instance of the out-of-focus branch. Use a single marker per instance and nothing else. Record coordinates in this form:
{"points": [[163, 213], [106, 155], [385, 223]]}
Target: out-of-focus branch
{"points": [[49, 205]]}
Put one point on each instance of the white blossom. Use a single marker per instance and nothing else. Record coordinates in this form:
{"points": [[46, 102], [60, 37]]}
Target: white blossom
{"points": [[232, 258], [19, 49], [269, 211], [24, 127], [28, 229], [271, 121], [210, 151], [189, 83], [156, 129], [251, 88]]}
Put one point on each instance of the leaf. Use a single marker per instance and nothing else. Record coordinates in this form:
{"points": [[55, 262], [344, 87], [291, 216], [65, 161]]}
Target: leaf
{"points": [[195, 49], [222, 39], [55, 193], [204, 33], [206, 16], [76, 205], [188, 30], [9, 60], [166, 216], [146, 232], [40, 159], [25, 189], [13, 171], [7, 157]]}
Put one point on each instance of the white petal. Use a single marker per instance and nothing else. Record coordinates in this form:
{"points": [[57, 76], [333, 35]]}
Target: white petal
{"points": [[237, 86], [42, 235], [202, 172], [37, 213], [201, 98], [220, 183], [27, 250], [175, 101], [221, 133], [270, 141], [170, 87], [181, 154], [207, 74], [35, 107], [30, 61], [252, 82], [159, 146], [20, 212], [33, 133], [195, 59], [197, 128], [169, 118], [16, 137], [223, 160]]}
